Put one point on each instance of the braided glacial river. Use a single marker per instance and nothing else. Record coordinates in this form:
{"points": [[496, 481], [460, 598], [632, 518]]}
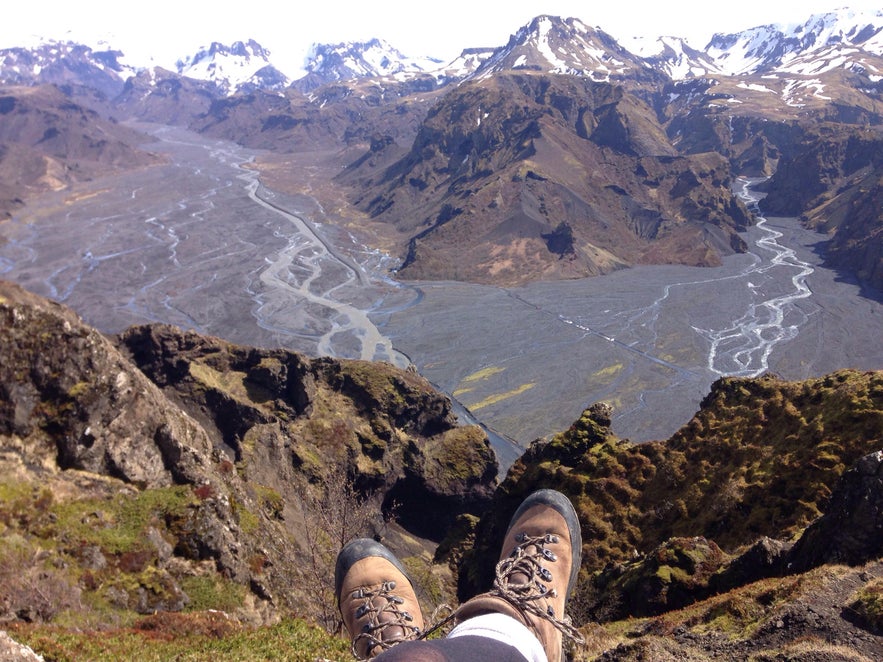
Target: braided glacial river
{"points": [[199, 243]]}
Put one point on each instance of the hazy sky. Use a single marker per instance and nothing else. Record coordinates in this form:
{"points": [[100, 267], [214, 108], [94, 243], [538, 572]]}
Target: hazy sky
{"points": [[168, 30]]}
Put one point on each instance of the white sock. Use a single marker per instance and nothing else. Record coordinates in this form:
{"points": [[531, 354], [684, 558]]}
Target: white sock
{"points": [[506, 630]]}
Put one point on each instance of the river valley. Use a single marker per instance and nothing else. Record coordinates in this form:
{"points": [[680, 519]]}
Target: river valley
{"points": [[199, 243]]}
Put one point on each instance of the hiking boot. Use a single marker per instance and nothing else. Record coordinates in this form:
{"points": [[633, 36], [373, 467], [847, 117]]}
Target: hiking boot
{"points": [[375, 598], [538, 566]]}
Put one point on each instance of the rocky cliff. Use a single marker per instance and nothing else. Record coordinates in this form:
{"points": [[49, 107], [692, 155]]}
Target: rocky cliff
{"points": [[715, 511], [165, 469]]}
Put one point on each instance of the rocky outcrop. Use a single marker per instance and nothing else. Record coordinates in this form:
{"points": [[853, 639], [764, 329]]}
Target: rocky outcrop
{"points": [[671, 576], [725, 479], [851, 529], [12, 651], [68, 396], [389, 428]]}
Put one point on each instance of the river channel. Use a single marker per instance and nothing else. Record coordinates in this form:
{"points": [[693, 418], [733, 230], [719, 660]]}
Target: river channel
{"points": [[199, 243]]}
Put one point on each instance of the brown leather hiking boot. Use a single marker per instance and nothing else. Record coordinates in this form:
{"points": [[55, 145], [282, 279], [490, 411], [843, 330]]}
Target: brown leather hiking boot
{"points": [[538, 566], [375, 598]]}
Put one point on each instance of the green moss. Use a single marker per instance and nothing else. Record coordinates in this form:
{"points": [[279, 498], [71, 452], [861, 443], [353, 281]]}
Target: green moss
{"points": [[270, 500], [867, 604], [761, 457], [213, 592], [248, 521], [117, 524]]}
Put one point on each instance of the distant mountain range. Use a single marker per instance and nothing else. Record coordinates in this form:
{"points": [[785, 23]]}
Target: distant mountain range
{"points": [[560, 154], [843, 39]]}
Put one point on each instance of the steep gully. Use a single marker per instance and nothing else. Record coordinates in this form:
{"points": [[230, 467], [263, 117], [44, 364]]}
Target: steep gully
{"points": [[200, 243]]}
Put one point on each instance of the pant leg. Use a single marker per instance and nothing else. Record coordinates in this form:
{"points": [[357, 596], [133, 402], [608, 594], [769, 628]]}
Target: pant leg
{"points": [[458, 649]]}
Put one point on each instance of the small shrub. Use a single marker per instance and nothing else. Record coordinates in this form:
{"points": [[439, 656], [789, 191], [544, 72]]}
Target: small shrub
{"points": [[204, 492], [867, 605], [30, 586]]}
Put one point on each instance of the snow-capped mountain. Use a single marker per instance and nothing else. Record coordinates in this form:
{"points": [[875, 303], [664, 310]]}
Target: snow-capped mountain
{"points": [[841, 41], [327, 63], [240, 66], [675, 56], [835, 39], [566, 46], [466, 64], [65, 63]]}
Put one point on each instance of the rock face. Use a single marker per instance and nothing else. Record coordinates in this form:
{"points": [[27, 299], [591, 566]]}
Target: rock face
{"points": [[389, 428], [67, 395], [856, 244], [832, 179], [851, 530]]}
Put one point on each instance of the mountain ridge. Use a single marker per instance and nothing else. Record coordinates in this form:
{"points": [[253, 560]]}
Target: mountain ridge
{"points": [[763, 49]]}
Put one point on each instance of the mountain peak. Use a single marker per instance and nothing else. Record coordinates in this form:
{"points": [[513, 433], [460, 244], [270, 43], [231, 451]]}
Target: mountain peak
{"points": [[234, 67], [376, 58], [565, 46], [775, 47]]}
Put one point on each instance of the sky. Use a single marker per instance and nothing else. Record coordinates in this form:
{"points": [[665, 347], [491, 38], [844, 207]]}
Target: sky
{"points": [[163, 31]]}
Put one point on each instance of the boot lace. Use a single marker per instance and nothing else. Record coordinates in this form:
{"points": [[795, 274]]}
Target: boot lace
{"points": [[375, 631], [526, 560]]}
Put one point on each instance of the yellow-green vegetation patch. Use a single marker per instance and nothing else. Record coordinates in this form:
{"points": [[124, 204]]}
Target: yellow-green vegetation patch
{"points": [[116, 524], [607, 373], [867, 604], [484, 373], [212, 591], [229, 381], [459, 456], [197, 639], [499, 397], [248, 521]]}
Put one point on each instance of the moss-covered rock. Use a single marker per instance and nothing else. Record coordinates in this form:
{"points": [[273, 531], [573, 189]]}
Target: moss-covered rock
{"points": [[673, 575], [760, 458]]}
